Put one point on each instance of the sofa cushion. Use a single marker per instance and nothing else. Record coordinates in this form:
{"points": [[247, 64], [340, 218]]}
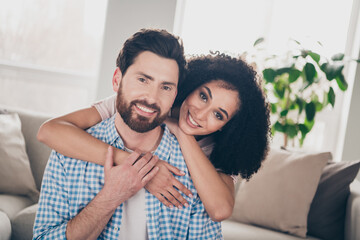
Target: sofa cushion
{"points": [[15, 173], [326, 217], [235, 230], [22, 225], [38, 152], [279, 195], [5, 227], [12, 204]]}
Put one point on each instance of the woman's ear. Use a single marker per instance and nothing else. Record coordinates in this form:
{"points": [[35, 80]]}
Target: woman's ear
{"points": [[117, 77]]}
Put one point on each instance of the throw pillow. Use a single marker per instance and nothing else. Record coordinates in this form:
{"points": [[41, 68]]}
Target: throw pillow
{"points": [[326, 217], [15, 173], [279, 195]]}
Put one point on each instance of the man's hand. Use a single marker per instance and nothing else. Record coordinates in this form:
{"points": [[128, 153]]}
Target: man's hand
{"points": [[123, 181], [162, 186]]}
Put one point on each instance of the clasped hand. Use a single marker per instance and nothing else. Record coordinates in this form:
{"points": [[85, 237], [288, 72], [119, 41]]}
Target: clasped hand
{"points": [[125, 180]]}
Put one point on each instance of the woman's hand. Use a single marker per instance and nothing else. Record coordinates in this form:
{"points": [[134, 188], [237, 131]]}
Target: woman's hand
{"points": [[173, 126], [165, 187]]}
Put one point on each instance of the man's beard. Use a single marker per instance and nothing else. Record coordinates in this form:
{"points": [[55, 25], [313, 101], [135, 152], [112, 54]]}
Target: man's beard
{"points": [[136, 122]]}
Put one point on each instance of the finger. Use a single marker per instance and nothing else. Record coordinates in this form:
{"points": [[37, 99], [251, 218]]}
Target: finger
{"points": [[139, 164], [173, 169], [109, 161], [181, 201], [148, 166], [149, 176], [163, 200], [131, 159], [171, 199], [182, 188]]}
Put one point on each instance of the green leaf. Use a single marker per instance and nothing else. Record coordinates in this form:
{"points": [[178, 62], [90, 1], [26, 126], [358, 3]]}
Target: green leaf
{"points": [[258, 41], [273, 108], [284, 113], [279, 89], [309, 124], [310, 110], [304, 130], [300, 104], [332, 70], [291, 130], [281, 71], [318, 106], [338, 57], [279, 127], [331, 96], [310, 72], [297, 42], [269, 75], [340, 79], [294, 74], [314, 56]]}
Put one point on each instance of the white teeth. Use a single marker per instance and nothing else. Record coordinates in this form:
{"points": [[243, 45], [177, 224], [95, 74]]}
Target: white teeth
{"points": [[145, 109], [193, 121]]}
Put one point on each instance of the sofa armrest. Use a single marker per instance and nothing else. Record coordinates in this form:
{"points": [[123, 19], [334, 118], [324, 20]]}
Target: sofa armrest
{"points": [[352, 218]]}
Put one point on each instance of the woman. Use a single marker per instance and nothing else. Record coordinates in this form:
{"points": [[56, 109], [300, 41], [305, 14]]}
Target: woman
{"points": [[223, 129]]}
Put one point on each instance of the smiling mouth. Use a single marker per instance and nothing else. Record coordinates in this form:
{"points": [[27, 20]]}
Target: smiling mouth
{"points": [[192, 122], [144, 110]]}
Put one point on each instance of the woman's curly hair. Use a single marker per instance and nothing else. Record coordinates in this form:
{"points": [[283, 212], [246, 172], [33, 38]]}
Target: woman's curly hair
{"points": [[243, 143]]}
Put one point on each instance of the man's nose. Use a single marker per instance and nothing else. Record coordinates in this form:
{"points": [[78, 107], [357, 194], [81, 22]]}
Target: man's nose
{"points": [[153, 95]]}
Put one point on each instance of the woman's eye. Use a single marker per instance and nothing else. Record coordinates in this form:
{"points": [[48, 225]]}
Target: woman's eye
{"points": [[218, 115], [203, 96]]}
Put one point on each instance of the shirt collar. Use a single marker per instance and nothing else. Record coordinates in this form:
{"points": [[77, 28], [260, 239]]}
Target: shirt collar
{"points": [[162, 151]]}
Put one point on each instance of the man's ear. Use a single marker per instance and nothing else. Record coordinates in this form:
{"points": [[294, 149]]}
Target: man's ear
{"points": [[117, 77]]}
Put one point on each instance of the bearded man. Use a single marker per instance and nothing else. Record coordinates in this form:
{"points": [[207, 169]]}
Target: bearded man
{"points": [[82, 200]]}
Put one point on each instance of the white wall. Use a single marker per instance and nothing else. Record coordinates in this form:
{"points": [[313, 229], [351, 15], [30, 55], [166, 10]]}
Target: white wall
{"points": [[123, 19], [351, 147]]}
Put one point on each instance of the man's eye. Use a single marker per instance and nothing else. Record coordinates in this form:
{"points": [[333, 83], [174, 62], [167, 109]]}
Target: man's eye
{"points": [[203, 96], [167, 88], [142, 80], [218, 115]]}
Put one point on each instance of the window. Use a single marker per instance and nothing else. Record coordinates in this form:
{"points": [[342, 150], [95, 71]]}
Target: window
{"points": [[49, 52], [232, 26]]}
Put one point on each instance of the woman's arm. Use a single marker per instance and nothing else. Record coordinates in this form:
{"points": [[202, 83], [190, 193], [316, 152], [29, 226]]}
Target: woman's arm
{"points": [[66, 135], [216, 190]]}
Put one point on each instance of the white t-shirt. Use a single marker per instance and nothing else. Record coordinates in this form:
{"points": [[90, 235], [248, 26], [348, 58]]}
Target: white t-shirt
{"points": [[133, 222]]}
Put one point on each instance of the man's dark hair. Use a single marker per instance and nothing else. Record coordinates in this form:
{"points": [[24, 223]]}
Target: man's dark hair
{"points": [[160, 42], [243, 143]]}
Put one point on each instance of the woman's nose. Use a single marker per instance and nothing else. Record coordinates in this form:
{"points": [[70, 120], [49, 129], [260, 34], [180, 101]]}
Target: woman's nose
{"points": [[201, 113]]}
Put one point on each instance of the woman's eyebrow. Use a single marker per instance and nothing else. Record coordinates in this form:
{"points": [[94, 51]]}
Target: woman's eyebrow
{"points": [[208, 90], [225, 112]]}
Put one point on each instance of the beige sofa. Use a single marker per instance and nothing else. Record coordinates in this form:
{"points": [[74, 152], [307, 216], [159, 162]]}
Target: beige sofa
{"points": [[17, 213]]}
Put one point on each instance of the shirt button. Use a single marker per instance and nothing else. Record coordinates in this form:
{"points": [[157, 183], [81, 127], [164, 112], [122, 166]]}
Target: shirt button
{"points": [[116, 229]]}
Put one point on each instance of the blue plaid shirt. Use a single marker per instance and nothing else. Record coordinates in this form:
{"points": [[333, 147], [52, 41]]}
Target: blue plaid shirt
{"points": [[69, 185]]}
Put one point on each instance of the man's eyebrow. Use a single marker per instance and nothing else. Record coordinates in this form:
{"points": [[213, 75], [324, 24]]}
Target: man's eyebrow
{"points": [[151, 78], [169, 83], [208, 90], [225, 112], [147, 76]]}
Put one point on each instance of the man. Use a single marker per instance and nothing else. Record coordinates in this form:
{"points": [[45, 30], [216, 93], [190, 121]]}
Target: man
{"points": [[78, 202]]}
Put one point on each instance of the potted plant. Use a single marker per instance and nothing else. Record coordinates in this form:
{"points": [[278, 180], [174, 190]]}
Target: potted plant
{"points": [[299, 84]]}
